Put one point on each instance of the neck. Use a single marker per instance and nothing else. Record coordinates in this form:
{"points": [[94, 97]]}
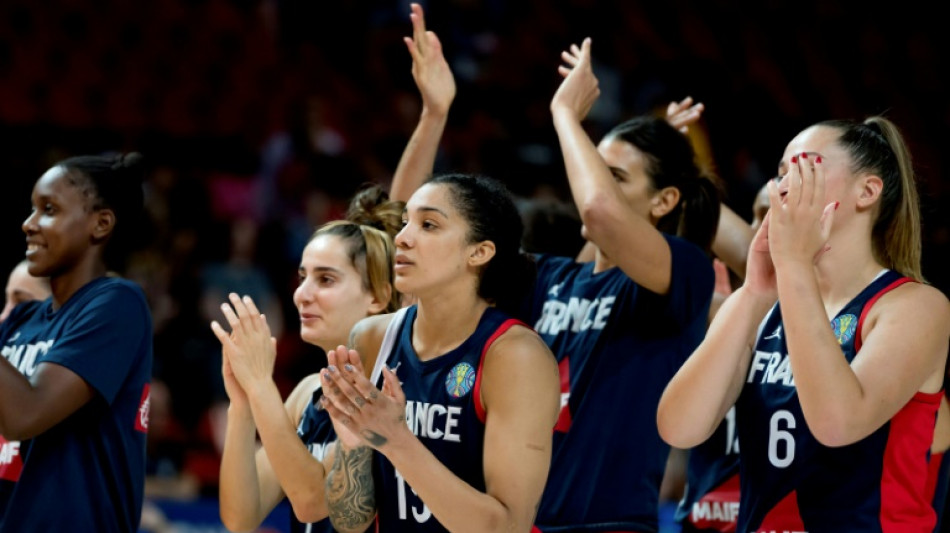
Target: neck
{"points": [[445, 320], [845, 269], [65, 284], [602, 262]]}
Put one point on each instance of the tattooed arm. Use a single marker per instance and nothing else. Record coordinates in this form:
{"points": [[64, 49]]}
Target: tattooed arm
{"points": [[350, 491], [520, 396]]}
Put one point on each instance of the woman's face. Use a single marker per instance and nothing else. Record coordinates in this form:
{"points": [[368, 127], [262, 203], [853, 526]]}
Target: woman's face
{"points": [[60, 228], [432, 249], [331, 297], [628, 165], [819, 141]]}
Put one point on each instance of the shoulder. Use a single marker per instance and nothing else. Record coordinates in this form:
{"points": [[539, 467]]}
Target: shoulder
{"points": [[301, 395], [116, 291], [367, 336], [519, 345], [911, 303], [911, 311]]}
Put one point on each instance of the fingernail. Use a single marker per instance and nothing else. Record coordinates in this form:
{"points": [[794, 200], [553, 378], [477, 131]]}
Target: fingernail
{"points": [[348, 368], [804, 155], [836, 205], [332, 368], [818, 159], [794, 159]]}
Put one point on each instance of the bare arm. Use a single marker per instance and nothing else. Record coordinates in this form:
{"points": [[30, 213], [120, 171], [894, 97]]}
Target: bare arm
{"points": [[904, 351], [436, 84], [520, 384], [709, 382], [733, 237], [30, 407], [250, 350], [627, 238]]}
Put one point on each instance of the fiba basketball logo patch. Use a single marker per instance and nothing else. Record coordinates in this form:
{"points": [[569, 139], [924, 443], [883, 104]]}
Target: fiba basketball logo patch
{"points": [[460, 380], [844, 327], [141, 419]]}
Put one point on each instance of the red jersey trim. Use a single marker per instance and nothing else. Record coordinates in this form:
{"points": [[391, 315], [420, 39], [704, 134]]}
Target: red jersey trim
{"points": [[477, 394], [867, 307]]}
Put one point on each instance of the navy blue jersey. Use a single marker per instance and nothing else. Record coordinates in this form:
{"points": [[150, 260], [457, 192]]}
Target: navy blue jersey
{"points": [[443, 409], [316, 432], [88, 470], [875, 484], [617, 346], [711, 501]]}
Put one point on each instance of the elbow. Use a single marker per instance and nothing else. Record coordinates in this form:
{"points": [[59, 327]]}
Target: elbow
{"points": [[237, 522], [595, 213], [830, 432], [679, 430], [310, 508]]}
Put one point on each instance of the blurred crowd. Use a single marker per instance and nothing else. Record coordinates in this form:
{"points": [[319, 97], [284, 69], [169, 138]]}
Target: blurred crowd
{"points": [[259, 119]]}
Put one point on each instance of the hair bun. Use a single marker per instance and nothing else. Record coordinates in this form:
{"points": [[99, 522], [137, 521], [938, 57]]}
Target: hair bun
{"points": [[372, 207], [125, 161]]}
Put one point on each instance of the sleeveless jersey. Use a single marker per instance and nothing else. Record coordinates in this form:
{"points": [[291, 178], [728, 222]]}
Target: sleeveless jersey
{"points": [[875, 484], [443, 409], [89, 469], [617, 346]]}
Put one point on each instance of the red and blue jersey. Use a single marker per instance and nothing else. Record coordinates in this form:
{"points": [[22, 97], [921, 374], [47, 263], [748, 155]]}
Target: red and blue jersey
{"points": [[875, 484], [617, 346], [87, 471], [444, 411]]}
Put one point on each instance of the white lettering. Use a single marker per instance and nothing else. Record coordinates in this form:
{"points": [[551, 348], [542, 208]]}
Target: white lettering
{"points": [[770, 368], [9, 451], [578, 314], [433, 421]]}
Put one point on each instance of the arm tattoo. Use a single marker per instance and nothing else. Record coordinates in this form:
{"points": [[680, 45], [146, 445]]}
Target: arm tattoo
{"points": [[351, 497], [375, 439]]}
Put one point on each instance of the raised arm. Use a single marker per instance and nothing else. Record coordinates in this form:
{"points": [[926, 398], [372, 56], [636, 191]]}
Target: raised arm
{"points": [[521, 402], [709, 382], [905, 333], [629, 239], [250, 351], [436, 85], [733, 237]]}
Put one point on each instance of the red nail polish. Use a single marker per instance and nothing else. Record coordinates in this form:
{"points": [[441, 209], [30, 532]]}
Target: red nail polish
{"points": [[804, 155], [836, 205], [818, 160], [794, 159]]}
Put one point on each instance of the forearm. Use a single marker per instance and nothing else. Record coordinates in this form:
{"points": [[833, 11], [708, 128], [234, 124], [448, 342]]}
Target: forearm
{"points": [[830, 393], [350, 491], [454, 503], [418, 158], [709, 382], [240, 494], [15, 391], [733, 237], [299, 473], [589, 178]]}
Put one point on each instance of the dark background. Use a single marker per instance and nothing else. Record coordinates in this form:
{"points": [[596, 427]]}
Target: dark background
{"points": [[260, 118]]}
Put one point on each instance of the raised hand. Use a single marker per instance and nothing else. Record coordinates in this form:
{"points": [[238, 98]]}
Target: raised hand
{"points": [[429, 67], [681, 115], [352, 401], [249, 349], [580, 88], [801, 221]]}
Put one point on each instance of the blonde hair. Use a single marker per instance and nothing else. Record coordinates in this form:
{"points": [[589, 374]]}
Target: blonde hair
{"points": [[877, 147], [371, 223]]}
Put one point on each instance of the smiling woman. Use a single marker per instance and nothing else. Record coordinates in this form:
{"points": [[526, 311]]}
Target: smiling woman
{"points": [[74, 377]]}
